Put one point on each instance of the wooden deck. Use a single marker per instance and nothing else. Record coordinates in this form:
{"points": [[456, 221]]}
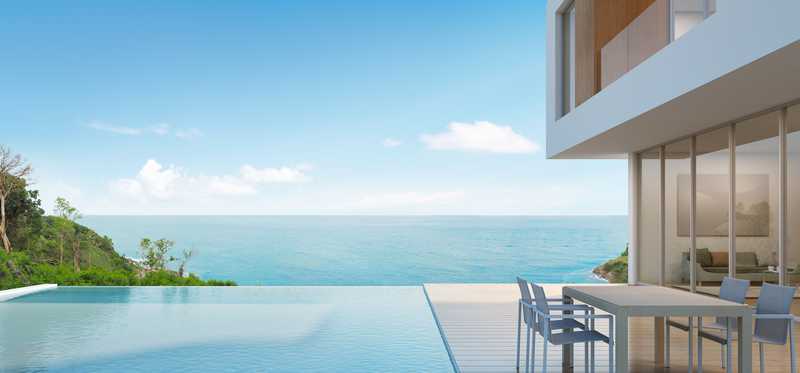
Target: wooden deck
{"points": [[478, 321]]}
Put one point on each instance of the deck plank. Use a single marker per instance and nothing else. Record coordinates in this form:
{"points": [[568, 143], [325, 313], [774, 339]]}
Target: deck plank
{"points": [[479, 324]]}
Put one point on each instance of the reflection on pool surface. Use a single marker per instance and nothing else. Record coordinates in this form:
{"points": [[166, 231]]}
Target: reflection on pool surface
{"points": [[197, 329]]}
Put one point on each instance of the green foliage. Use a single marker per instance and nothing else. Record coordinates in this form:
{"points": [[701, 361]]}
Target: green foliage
{"points": [[24, 213], [40, 242], [614, 270], [17, 269], [65, 210], [154, 253]]}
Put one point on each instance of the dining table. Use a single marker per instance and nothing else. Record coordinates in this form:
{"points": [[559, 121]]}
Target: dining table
{"points": [[659, 303]]}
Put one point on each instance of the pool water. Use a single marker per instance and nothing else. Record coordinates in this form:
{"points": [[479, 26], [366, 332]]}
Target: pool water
{"points": [[196, 329]]}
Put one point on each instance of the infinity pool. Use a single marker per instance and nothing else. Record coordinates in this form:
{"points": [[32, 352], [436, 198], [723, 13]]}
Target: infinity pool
{"points": [[198, 329]]}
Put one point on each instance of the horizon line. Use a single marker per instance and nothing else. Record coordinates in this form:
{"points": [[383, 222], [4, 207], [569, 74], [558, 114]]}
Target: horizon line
{"points": [[375, 215]]}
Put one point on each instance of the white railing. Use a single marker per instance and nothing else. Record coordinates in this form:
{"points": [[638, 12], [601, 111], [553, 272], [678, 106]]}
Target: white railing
{"points": [[660, 24], [6, 295]]}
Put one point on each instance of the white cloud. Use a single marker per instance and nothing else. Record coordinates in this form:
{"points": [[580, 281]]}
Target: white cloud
{"points": [[154, 182], [160, 129], [119, 130], [391, 143], [190, 133], [274, 175], [409, 199], [480, 136], [232, 186]]}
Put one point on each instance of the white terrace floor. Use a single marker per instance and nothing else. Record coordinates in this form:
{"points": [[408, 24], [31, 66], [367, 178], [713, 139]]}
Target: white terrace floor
{"points": [[479, 324]]}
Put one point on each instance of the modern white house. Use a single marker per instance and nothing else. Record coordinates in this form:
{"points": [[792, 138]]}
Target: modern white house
{"points": [[702, 97]]}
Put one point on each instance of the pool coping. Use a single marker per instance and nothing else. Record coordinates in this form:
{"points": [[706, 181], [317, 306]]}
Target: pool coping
{"points": [[7, 295], [453, 362]]}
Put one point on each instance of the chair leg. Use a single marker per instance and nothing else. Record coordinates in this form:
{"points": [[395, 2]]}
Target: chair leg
{"points": [[666, 342], [519, 330], [591, 352], [610, 354], [699, 345], [761, 357], [527, 349], [792, 352], [728, 347], [533, 348], [544, 358], [691, 344], [611, 345]]}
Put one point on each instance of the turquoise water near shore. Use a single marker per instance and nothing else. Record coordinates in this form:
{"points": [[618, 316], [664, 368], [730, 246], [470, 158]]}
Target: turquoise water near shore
{"points": [[379, 250]]}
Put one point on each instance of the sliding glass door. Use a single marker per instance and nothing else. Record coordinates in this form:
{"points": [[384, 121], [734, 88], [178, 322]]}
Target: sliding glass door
{"points": [[757, 199], [712, 199], [793, 195], [677, 177], [732, 195]]}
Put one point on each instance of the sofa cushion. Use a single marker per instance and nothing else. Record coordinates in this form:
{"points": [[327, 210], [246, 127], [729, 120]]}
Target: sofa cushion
{"points": [[719, 258], [703, 257], [751, 269], [746, 258]]}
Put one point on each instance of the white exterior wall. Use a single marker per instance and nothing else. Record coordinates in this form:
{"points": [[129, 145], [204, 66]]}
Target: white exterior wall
{"points": [[679, 91]]}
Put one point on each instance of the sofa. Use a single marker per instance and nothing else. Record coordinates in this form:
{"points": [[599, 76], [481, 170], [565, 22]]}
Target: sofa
{"points": [[712, 266]]}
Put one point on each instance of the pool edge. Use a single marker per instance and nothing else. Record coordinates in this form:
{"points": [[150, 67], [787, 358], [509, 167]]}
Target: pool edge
{"points": [[441, 332], [7, 295]]}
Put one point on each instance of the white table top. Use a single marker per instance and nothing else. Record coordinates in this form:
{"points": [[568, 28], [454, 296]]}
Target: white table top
{"points": [[643, 300]]}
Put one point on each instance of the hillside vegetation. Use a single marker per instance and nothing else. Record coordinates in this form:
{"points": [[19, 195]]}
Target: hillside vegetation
{"points": [[614, 270], [56, 249]]}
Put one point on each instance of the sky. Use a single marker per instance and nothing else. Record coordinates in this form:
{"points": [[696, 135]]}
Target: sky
{"points": [[290, 107]]}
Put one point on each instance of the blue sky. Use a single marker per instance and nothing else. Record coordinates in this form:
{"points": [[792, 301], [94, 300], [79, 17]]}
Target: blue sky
{"points": [[289, 107]]}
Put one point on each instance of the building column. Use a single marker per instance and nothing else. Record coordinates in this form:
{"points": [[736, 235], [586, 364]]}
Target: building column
{"points": [[634, 189], [782, 193]]}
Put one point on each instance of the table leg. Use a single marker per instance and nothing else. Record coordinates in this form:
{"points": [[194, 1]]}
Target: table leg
{"points": [[567, 350], [658, 352], [745, 343], [621, 343]]}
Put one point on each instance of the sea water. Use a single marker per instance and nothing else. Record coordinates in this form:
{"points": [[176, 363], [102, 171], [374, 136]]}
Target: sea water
{"points": [[379, 250]]}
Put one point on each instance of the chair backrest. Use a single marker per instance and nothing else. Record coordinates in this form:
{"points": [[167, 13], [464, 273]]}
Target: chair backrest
{"points": [[525, 295], [541, 304], [774, 299], [733, 290]]}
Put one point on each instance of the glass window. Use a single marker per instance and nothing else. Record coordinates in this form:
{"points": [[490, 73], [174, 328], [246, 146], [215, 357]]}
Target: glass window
{"points": [[568, 60], [677, 188], [712, 207], [756, 212], [793, 196], [649, 210], [688, 13]]}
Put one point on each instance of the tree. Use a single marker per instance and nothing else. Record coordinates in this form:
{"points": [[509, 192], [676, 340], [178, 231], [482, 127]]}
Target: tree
{"points": [[187, 254], [69, 215], [154, 253], [23, 216], [12, 169]]}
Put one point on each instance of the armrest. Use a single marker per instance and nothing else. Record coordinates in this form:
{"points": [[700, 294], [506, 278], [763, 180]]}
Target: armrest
{"points": [[570, 307], [777, 316], [573, 316], [560, 307]]}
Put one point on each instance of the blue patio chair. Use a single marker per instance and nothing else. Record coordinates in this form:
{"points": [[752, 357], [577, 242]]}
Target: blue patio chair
{"points": [[774, 324], [527, 314], [544, 322], [733, 290]]}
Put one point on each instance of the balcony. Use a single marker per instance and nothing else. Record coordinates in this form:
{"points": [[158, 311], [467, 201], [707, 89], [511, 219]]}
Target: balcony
{"points": [[602, 41], [659, 24]]}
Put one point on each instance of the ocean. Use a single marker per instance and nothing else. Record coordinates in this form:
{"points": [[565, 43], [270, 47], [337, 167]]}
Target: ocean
{"points": [[379, 250]]}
